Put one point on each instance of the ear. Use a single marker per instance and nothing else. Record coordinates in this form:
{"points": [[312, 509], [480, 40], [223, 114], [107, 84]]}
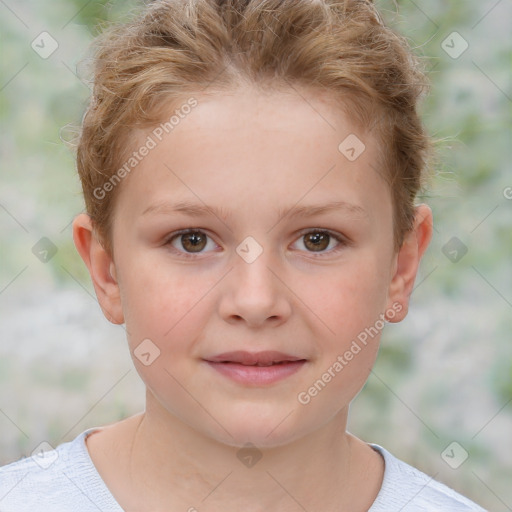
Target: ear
{"points": [[101, 268], [408, 260]]}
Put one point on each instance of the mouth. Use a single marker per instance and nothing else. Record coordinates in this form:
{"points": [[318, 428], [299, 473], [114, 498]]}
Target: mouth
{"points": [[256, 368], [266, 358], [257, 364]]}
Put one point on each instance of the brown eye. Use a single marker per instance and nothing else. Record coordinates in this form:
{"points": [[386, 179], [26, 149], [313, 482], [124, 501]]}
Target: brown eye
{"points": [[190, 241], [193, 242], [321, 241], [317, 240]]}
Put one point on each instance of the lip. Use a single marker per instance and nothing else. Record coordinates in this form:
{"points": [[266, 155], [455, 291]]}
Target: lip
{"points": [[249, 358], [241, 366]]}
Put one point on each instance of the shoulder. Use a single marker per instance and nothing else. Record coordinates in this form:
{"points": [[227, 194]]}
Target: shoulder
{"points": [[63, 478], [407, 489]]}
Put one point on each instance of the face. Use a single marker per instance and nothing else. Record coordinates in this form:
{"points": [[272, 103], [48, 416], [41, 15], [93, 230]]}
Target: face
{"points": [[312, 285]]}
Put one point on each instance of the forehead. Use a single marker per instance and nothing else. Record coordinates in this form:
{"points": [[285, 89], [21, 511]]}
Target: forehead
{"points": [[256, 150], [252, 109]]}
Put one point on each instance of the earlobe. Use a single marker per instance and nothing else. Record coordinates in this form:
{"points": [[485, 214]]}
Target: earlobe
{"points": [[101, 268], [408, 260]]}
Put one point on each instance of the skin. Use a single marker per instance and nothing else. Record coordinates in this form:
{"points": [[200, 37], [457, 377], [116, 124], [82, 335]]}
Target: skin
{"points": [[250, 153]]}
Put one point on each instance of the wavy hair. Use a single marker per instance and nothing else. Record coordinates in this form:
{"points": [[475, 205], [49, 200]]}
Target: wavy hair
{"points": [[170, 49]]}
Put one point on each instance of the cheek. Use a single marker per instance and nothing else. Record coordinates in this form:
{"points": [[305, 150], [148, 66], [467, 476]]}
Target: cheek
{"points": [[167, 307], [353, 297], [163, 303], [352, 305]]}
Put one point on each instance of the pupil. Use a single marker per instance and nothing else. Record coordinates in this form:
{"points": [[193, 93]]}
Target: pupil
{"points": [[319, 240], [194, 239]]}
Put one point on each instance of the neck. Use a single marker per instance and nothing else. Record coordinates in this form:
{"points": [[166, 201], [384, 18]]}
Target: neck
{"points": [[174, 467]]}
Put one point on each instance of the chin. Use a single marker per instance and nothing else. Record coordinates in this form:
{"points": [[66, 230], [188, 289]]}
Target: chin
{"points": [[269, 430]]}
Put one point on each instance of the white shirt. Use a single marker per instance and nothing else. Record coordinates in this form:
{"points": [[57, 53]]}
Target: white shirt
{"points": [[66, 480]]}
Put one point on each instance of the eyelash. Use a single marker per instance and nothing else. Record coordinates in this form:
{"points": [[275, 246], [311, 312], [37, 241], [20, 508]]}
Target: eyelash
{"points": [[342, 241]]}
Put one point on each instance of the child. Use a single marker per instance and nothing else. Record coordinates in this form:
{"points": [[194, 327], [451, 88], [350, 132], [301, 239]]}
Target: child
{"points": [[249, 169]]}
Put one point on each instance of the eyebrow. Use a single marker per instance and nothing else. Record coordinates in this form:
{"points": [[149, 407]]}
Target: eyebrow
{"points": [[203, 210]]}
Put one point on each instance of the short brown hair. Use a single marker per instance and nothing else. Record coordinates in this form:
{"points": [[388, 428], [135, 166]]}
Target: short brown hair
{"points": [[171, 49]]}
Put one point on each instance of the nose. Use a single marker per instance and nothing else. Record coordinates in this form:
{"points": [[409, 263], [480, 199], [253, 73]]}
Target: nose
{"points": [[254, 293]]}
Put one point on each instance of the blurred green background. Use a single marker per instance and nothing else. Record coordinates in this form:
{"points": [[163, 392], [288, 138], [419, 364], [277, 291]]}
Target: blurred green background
{"points": [[443, 375]]}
